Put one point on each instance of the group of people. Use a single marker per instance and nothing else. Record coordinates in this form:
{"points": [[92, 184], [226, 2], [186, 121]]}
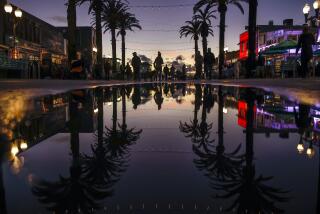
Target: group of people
{"points": [[207, 61], [161, 71]]}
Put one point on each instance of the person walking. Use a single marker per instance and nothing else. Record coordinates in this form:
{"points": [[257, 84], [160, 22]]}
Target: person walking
{"points": [[209, 60], [199, 62], [158, 66], [306, 40], [184, 72], [128, 71], [166, 72], [136, 64]]}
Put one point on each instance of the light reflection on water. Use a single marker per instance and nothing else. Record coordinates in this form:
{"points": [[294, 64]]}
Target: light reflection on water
{"points": [[158, 149]]}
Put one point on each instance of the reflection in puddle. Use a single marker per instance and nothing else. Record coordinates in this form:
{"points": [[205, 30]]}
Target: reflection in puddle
{"points": [[159, 148]]}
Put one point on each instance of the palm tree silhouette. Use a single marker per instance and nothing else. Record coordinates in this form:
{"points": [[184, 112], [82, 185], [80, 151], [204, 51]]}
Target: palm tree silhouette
{"points": [[127, 22], [111, 15], [192, 29], [252, 29], [72, 29], [217, 163], [95, 7], [222, 9], [74, 193], [205, 16], [252, 194], [4, 148], [191, 130]]}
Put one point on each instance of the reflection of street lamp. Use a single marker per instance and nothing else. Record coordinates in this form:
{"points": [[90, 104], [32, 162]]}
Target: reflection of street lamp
{"points": [[300, 148], [310, 151], [17, 15]]}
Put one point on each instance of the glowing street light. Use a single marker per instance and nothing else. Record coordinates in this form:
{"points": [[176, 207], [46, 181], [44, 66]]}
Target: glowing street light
{"points": [[8, 8], [18, 13], [310, 151], [300, 148]]}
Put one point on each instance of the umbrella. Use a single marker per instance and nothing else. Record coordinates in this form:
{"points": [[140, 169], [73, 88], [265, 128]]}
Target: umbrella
{"points": [[316, 53], [285, 45], [273, 52]]}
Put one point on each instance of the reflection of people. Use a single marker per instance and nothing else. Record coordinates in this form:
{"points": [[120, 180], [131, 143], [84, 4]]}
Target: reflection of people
{"points": [[209, 60], [166, 72], [136, 63], [158, 66], [306, 40], [158, 98], [199, 62]]}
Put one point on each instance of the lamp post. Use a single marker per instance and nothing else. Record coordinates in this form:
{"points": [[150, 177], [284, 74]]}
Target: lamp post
{"points": [[16, 16]]}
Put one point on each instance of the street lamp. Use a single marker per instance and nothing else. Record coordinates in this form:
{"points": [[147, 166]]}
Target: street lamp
{"points": [[306, 11], [17, 15]]}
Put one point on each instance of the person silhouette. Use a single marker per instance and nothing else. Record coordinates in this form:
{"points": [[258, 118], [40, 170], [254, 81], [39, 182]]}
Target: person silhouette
{"points": [[158, 66], [306, 40], [158, 98], [166, 72], [199, 62], [136, 64], [172, 72], [209, 60]]}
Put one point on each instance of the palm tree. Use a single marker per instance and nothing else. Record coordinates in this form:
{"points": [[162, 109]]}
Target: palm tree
{"points": [[222, 9], [111, 16], [72, 29], [192, 28], [74, 193], [205, 16], [95, 7], [128, 22], [253, 4]]}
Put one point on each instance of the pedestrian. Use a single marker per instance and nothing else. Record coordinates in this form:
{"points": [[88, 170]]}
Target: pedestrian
{"points": [[128, 71], [166, 72], [199, 62], [306, 40], [158, 66], [236, 69], [172, 72], [209, 60], [107, 70], [136, 64]]}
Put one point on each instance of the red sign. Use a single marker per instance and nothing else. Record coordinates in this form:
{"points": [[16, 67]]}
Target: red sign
{"points": [[244, 41]]}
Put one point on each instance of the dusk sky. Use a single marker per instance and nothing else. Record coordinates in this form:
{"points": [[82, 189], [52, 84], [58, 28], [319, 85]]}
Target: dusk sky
{"points": [[149, 41]]}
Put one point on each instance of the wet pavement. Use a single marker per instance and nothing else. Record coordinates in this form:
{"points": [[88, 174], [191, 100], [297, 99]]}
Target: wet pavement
{"points": [[159, 148]]}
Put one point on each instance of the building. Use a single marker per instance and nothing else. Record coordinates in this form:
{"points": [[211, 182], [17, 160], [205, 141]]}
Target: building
{"points": [[270, 35], [86, 45], [40, 47]]}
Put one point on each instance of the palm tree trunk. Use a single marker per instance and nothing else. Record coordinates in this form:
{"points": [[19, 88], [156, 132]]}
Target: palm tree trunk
{"points": [[204, 46], [114, 108], [123, 41], [74, 133], [196, 48], [72, 28], [249, 129], [114, 50], [222, 10], [124, 108], [220, 116], [100, 116], [253, 4], [99, 42]]}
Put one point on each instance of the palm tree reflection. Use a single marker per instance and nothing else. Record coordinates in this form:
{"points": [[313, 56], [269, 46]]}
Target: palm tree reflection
{"points": [[191, 130], [217, 163], [250, 192], [74, 193]]}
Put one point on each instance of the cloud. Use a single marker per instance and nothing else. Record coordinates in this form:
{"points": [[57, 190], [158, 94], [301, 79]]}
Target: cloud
{"points": [[60, 19], [144, 58]]}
